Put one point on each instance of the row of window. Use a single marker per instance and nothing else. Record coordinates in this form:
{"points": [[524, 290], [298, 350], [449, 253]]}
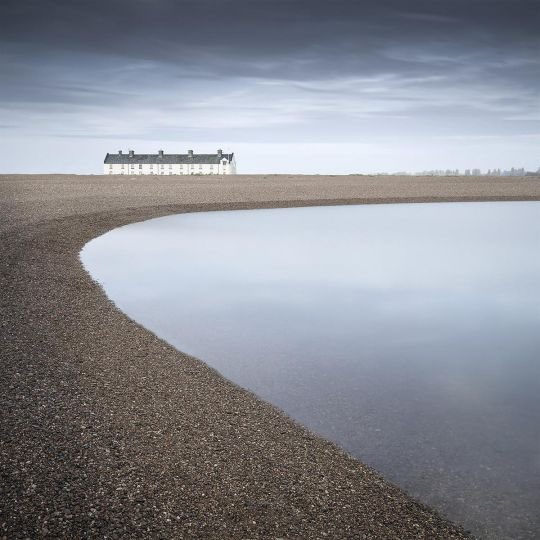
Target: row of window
{"points": [[164, 172], [161, 167]]}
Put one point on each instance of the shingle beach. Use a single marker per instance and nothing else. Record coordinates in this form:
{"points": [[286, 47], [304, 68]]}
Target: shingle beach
{"points": [[109, 432]]}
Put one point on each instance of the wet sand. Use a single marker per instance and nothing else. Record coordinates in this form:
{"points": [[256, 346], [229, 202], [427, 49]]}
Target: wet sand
{"points": [[107, 431]]}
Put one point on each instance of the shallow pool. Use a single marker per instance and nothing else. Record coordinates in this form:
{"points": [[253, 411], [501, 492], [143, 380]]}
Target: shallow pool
{"points": [[409, 334]]}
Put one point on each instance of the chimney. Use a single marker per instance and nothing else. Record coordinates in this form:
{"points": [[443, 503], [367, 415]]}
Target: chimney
{"points": [[161, 153], [119, 152], [131, 153], [220, 153], [190, 153]]}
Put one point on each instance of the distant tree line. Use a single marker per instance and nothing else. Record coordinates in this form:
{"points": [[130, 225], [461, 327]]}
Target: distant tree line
{"points": [[468, 172]]}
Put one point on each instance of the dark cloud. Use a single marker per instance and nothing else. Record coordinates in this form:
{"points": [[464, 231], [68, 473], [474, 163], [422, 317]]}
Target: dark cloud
{"points": [[258, 31]]}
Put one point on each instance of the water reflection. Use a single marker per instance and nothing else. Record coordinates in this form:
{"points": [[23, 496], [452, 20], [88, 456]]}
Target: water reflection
{"points": [[409, 334]]}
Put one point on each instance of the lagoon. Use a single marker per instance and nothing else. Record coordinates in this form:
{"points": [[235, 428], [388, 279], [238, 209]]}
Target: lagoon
{"points": [[408, 334]]}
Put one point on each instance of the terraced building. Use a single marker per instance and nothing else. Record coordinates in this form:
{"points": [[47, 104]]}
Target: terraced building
{"points": [[162, 163]]}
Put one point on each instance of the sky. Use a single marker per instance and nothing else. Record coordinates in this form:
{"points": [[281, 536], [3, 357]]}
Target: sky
{"points": [[290, 86]]}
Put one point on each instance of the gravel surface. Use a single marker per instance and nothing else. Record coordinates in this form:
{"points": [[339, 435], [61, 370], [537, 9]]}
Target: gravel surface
{"points": [[107, 431]]}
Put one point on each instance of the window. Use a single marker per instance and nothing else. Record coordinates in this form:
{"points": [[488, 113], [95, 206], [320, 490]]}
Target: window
{"points": [[140, 165]]}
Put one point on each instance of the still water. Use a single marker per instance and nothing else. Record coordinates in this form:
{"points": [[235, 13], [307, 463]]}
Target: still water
{"points": [[408, 334]]}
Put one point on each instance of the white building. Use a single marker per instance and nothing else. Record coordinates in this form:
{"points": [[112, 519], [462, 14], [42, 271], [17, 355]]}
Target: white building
{"points": [[161, 163]]}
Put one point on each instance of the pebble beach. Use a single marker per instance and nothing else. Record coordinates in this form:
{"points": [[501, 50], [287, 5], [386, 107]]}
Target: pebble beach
{"points": [[107, 431]]}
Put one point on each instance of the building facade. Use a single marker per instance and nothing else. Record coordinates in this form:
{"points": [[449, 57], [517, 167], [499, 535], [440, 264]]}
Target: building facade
{"points": [[162, 163]]}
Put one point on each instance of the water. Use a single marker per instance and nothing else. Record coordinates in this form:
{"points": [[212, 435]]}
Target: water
{"points": [[408, 334]]}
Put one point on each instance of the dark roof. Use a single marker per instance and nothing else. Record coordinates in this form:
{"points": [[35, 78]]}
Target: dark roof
{"points": [[174, 159]]}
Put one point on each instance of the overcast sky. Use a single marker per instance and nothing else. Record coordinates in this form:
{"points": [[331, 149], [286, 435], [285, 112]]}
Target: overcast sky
{"points": [[330, 86]]}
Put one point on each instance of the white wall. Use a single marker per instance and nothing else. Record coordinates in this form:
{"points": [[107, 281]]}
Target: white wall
{"points": [[222, 168]]}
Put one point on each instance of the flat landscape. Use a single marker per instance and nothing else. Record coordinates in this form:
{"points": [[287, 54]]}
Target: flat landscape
{"points": [[107, 431]]}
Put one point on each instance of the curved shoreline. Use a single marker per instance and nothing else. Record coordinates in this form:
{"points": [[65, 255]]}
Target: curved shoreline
{"points": [[106, 432]]}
